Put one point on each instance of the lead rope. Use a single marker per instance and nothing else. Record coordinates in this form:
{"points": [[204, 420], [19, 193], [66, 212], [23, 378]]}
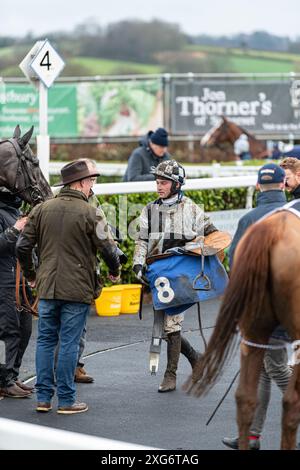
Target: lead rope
{"points": [[31, 308], [206, 287], [200, 326]]}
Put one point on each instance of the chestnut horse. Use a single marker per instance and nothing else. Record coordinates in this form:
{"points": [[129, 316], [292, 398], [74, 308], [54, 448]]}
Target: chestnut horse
{"points": [[19, 169], [263, 291], [228, 132]]}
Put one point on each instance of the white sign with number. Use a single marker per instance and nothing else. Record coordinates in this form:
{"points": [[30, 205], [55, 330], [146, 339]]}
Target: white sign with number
{"points": [[47, 64], [25, 64]]}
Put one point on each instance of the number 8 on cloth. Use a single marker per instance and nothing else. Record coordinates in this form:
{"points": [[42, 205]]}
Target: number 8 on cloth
{"points": [[165, 293]]}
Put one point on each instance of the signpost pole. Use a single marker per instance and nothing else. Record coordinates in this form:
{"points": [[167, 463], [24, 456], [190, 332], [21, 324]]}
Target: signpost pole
{"points": [[43, 140], [43, 63]]}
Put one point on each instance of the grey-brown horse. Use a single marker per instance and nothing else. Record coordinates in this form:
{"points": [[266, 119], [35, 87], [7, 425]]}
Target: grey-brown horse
{"points": [[20, 172], [263, 291]]}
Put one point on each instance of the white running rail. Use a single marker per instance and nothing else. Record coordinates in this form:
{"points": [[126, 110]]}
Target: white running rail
{"points": [[192, 171], [195, 183], [16, 435]]}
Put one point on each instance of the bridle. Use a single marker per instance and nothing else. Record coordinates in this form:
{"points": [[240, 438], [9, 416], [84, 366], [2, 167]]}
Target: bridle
{"points": [[25, 305], [36, 196], [23, 168]]}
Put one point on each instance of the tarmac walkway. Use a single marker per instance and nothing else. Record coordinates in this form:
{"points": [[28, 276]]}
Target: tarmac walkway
{"points": [[123, 401]]}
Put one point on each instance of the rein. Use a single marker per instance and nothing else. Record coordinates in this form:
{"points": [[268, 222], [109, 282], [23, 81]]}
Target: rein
{"points": [[30, 308]]}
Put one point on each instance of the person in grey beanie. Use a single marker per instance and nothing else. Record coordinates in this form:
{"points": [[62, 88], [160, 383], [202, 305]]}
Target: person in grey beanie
{"points": [[152, 151]]}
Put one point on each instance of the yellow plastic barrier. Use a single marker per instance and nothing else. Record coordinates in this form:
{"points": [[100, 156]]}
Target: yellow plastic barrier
{"points": [[109, 302], [131, 297]]}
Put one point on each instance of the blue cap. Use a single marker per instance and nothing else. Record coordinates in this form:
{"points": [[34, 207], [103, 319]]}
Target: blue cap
{"points": [[270, 174], [160, 137]]}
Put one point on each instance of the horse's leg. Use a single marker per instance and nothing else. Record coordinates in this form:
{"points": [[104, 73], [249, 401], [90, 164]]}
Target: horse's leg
{"points": [[291, 411], [246, 393]]}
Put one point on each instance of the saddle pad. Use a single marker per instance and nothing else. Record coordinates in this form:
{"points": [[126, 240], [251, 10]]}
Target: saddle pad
{"points": [[171, 281]]}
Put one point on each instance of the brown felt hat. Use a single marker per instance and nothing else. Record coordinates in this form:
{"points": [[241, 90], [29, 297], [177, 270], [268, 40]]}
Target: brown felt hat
{"points": [[77, 170]]}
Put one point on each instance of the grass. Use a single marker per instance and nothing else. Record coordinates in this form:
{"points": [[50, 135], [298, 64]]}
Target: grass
{"points": [[111, 67], [91, 66], [234, 60], [255, 65], [251, 61]]}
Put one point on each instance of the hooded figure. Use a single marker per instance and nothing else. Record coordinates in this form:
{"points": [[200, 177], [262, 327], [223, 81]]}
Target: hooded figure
{"points": [[152, 151]]}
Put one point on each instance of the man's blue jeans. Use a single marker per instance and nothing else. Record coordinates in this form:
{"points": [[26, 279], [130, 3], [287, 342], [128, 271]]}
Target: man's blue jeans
{"points": [[63, 321]]}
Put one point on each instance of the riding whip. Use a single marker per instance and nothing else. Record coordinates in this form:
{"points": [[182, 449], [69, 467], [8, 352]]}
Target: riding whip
{"points": [[223, 398]]}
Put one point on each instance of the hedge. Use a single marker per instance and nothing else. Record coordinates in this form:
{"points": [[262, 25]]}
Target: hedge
{"points": [[213, 200]]}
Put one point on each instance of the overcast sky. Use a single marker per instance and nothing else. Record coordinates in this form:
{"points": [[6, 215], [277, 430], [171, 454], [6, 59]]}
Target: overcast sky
{"points": [[215, 17]]}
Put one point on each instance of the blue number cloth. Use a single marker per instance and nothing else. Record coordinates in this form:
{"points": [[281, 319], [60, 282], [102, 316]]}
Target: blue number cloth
{"points": [[171, 281]]}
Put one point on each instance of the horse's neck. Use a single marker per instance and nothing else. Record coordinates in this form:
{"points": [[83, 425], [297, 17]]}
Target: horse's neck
{"points": [[234, 134]]}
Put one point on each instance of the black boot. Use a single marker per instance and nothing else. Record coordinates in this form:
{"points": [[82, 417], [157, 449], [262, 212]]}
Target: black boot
{"points": [[173, 351], [189, 352]]}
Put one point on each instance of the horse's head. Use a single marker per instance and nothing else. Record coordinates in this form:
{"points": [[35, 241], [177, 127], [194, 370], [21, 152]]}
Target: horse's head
{"points": [[224, 131], [20, 170]]}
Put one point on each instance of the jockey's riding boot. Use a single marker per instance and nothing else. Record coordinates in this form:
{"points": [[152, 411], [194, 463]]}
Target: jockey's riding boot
{"points": [[173, 353], [189, 352]]}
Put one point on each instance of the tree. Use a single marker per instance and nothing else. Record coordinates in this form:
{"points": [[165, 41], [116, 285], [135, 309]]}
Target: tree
{"points": [[139, 40]]}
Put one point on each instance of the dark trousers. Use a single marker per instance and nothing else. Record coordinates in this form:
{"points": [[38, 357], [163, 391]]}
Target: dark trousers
{"points": [[15, 332]]}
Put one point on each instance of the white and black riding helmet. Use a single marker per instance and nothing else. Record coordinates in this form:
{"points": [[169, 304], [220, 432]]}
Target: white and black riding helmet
{"points": [[170, 170]]}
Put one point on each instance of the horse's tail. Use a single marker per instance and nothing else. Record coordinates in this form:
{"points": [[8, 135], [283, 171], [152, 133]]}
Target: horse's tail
{"points": [[243, 298]]}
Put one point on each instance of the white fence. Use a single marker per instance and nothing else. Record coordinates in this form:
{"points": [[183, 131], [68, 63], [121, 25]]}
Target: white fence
{"points": [[192, 171], [195, 183]]}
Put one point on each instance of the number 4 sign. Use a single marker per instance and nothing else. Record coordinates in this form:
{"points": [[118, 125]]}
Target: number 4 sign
{"points": [[47, 64]]}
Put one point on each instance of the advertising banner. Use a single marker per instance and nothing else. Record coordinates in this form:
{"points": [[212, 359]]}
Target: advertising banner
{"points": [[88, 109], [262, 107], [119, 108], [19, 104]]}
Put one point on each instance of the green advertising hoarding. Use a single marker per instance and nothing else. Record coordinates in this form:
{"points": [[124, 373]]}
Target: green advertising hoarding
{"points": [[19, 104], [88, 109]]}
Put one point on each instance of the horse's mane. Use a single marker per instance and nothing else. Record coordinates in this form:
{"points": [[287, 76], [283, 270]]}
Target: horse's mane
{"points": [[244, 131]]}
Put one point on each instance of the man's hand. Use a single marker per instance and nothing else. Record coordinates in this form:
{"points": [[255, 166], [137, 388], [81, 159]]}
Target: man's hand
{"points": [[138, 270], [114, 279], [20, 223], [32, 284]]}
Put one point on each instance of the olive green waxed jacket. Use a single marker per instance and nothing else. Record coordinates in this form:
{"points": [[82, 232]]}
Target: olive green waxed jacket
{"points": [[68, 232]]}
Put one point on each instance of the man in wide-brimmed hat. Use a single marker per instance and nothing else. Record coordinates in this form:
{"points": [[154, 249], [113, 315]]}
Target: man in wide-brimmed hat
{"points": [[68, 232]]}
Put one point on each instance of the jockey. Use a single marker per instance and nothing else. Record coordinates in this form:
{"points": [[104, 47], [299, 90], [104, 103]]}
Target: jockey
{"points": [[171, 221]]}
